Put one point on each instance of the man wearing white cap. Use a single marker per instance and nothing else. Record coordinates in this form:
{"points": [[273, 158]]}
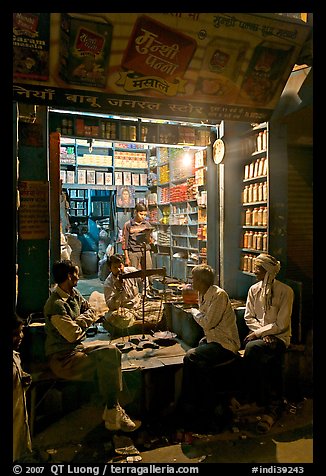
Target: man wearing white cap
{"points": [[268, 316]]}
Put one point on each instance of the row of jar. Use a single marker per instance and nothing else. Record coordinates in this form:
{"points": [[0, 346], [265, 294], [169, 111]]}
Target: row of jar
{"points": [[255, 240], [256, 168], [247, 262], [256, 216], [255, 192], [261, 140]]}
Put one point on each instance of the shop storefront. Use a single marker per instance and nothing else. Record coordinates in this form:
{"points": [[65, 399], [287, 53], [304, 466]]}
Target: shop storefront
{"points": [[174, 108]]}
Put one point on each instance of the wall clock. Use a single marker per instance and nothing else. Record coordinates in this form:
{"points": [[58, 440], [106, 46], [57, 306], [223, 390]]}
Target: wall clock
{"points": [[218, 151]]}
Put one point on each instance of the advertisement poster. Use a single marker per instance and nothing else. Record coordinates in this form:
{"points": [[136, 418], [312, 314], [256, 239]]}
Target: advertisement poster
{"points": [[31, 45], [125, 196], [33, 211], [188, 66]]}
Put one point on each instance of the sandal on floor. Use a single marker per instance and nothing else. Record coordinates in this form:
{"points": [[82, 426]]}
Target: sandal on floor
{"points": [[265, 424]]}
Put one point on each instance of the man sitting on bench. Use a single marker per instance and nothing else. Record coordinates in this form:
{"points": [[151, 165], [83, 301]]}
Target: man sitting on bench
{"points": [[268, 316], [67, 317], [219, 345]]}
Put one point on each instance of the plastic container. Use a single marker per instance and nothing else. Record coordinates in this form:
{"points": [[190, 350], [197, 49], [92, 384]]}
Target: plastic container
{"points": [[189, 296]]}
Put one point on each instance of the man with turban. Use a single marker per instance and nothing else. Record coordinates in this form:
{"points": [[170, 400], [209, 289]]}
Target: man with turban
{"points": [[268, 317]]}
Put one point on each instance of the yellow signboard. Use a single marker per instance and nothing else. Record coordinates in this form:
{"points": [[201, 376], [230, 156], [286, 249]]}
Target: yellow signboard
{"points": [[202, 66]]}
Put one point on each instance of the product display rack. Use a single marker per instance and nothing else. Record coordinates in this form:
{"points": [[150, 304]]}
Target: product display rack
{"points": [[180, 209], [128, 129], [201, 183], [159, 205], [255, 197], [94, 162], [95, 166]]}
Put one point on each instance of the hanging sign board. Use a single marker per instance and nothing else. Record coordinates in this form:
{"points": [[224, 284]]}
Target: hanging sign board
{"points": [[189, 66], [33, 212]]}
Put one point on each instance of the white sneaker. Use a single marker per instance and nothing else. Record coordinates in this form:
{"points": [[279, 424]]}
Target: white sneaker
{"points": [[117, 419]]}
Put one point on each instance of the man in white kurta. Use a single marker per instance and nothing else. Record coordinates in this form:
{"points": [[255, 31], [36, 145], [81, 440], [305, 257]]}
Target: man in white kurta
{"points": [[124, 298], [268, 316]]}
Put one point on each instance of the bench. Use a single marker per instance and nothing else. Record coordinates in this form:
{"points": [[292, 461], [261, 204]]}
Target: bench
{"points": [[55, 393], [296, 360]]}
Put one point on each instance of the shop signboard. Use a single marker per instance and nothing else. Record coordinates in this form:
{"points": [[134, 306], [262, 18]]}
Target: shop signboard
{"points": [[189, 66]]}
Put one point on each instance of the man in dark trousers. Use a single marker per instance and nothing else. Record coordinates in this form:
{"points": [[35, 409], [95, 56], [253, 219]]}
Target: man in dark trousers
{"points": [[268, 316], [67, 316], [136, 235], [219, 345]]}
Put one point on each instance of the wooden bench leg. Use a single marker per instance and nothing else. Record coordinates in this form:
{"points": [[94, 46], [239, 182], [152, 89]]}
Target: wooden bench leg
{"points": [[34, 404]]}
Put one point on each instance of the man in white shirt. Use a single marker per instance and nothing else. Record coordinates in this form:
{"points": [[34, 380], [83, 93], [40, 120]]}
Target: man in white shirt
{"points": [[124, 297], [268, 316], [221, 341]]}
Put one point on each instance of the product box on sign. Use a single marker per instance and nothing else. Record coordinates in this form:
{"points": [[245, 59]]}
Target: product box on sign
{"points": [[84, 50], [31, 46]]}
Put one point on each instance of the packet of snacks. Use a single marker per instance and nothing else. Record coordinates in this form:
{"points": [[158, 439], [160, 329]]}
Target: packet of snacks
{"points": [[84, 50]]}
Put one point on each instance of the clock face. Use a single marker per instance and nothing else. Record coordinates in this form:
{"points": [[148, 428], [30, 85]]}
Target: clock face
{"points": [[218, 151]]}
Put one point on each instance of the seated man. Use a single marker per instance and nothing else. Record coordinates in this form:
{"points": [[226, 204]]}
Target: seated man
{"points": [[124, 298], [268, 316], [67, 316], [220, 343]]}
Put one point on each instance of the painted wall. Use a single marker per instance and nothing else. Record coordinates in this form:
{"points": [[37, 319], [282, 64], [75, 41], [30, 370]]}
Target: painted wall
{"points": [[33, 214]]}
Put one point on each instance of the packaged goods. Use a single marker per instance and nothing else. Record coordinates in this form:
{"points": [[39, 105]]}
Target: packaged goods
{"points": [[84, 50], [31, 45]]}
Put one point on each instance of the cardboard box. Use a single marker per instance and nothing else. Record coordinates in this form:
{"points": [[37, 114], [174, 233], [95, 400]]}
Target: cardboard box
{"points": [[97, 208], [108, 178], [126, 178], [90, 176], [118, 178], [106, 208], [84, 50], [81, 176], [143, 180], [100, 178], [63, 176], [70, 176], [135, 179]]}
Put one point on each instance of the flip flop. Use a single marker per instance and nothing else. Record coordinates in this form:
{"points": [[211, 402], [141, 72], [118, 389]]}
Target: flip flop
{"points": [[124, 446], [265, 424]]}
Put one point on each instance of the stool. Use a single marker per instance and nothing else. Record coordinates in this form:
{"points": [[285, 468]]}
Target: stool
{"points": [[44, 381], [46, 378]]}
